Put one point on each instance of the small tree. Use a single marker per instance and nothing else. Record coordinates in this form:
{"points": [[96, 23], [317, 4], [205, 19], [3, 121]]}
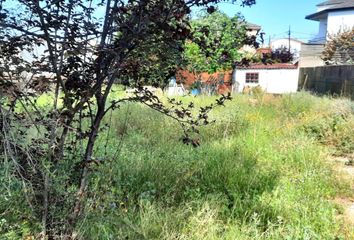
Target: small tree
{"points": [[83, 56], [215, 43], [339, 48]]}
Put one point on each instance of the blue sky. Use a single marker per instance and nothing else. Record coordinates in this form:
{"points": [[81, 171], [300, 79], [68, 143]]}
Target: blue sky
{"points": [[275, 16]]}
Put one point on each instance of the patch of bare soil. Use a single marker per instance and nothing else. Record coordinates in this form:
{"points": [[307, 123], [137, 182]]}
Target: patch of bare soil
{"points": [[348, 209], [344, 168]]}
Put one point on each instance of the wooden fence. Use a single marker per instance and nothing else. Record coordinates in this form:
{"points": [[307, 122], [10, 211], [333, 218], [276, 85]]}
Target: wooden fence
{"points": [[335, 80]]}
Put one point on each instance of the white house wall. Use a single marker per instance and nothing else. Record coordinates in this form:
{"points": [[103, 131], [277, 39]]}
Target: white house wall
{"points": [[340, 21], [276, 81]]}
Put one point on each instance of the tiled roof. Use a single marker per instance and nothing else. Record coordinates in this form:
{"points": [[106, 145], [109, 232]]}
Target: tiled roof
{"points": [[268, 66], [250, 26], [264, 50], [332, 5], [335, 4], [253, 26]]}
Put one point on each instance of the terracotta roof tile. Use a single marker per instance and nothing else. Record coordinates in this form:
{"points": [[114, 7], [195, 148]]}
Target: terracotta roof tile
{"points": [[269, 66]]}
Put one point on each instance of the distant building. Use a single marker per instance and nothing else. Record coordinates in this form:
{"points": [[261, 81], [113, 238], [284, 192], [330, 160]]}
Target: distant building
{"points": [[334, 16], [295, 45], [253, 30], [277, 78]]}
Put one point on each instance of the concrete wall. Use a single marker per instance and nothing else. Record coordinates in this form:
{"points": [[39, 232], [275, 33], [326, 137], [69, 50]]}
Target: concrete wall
{"points": [[340, 21], [271, 80]]}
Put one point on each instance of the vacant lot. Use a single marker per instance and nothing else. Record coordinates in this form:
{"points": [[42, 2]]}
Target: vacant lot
{"points": [[263, 171]]}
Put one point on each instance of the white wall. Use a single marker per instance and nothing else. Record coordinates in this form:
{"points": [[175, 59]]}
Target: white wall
{"points": [[271, 80], [336, 21], [340, 21]]}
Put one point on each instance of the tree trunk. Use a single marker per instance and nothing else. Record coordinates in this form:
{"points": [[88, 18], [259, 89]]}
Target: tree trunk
{"points": [[80, 195]]}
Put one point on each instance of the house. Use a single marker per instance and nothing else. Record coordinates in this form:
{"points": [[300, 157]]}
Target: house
{"points": [[275, 78], [252, 30], [334, 16], [294, 44]]}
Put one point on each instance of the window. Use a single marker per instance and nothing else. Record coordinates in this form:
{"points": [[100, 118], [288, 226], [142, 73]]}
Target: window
{"points": [[252, 77]]}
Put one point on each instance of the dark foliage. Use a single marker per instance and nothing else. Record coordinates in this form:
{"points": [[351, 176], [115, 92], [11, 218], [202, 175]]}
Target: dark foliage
{"points": [[280, 55]]}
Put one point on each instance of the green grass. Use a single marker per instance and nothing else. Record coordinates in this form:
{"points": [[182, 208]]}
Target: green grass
{"points": [[261, 173]]}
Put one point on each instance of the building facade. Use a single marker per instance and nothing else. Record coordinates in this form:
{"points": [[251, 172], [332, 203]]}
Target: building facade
{"points": [[278, 78], [334, 16]]}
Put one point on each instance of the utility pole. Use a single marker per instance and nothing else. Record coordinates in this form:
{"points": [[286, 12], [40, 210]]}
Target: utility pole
{"points": [[289, 38]]}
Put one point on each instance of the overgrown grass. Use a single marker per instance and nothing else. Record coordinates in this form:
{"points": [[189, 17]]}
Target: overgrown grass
{"points": [[261, 172]]}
